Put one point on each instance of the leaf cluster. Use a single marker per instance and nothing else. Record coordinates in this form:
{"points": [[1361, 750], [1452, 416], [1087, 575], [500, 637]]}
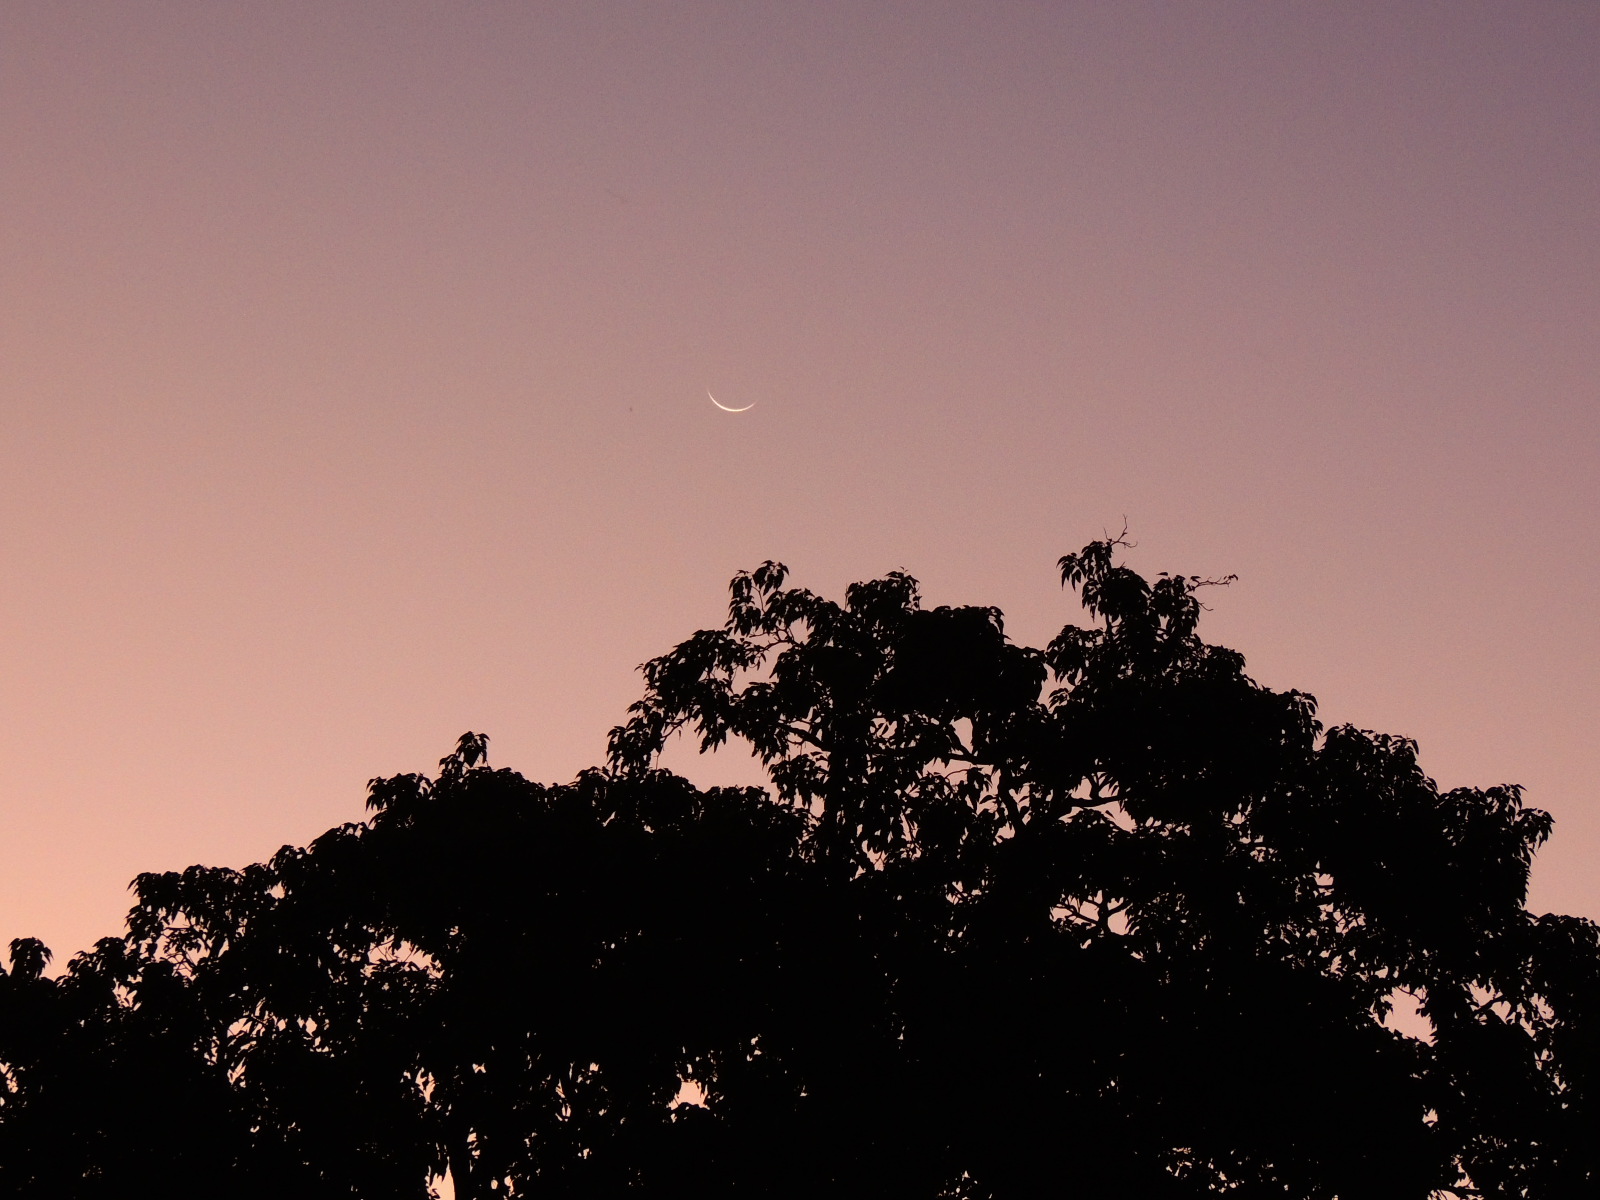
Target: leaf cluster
{"points": [[1108, 918]]}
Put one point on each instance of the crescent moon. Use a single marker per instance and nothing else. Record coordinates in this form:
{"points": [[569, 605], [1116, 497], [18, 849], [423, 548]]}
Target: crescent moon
{"points": [[725, 408]]}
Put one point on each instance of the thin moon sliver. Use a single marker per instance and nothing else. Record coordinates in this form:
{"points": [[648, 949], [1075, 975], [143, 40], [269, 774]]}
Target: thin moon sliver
{"points": [[725, 408]]}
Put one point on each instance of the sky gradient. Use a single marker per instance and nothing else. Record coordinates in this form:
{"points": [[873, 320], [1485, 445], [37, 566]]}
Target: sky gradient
{"points": [[354, 359]]}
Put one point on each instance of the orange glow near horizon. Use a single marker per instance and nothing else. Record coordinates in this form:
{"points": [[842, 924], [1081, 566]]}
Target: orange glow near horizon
{"points": [[355, 362]]}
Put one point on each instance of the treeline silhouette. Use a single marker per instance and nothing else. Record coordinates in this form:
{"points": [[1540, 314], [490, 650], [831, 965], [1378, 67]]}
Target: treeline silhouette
{"points": [[1107, 919]]}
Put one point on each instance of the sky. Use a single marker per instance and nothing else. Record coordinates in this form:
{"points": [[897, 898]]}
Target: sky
{"points": [[354, 362]]}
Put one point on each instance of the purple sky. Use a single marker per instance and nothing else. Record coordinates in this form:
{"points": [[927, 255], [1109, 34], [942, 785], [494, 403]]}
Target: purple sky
{"points": [[354, 358]]}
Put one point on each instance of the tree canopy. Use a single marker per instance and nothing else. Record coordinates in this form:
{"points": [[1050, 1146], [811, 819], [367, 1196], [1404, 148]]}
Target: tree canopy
{"points": [[1107, 918]]}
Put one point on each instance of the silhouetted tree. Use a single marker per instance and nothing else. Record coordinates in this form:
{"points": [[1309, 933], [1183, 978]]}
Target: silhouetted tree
{"points": [[1105, 919]]}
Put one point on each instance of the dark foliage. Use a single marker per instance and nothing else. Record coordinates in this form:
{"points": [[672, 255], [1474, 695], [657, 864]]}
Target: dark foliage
{"points": [[1107, 919]]}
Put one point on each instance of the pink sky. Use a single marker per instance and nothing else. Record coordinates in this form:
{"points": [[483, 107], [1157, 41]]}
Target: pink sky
{"points": [[354, 357]]}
